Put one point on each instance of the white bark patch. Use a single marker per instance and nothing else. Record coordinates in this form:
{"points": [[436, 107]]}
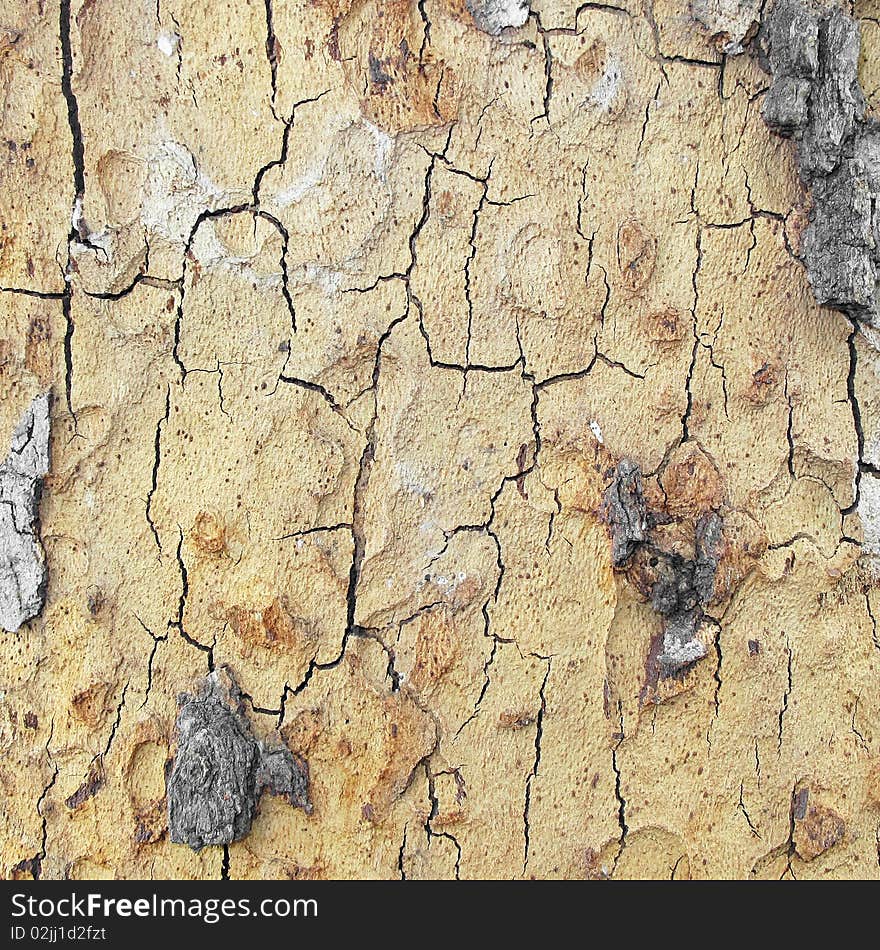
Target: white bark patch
{"points": [[210, 251], [327, 278], [493, 16], [869, 512], [22, 561], [176, 193], [76, 213], [605, 90], [681, 648], [301, 187], [167, 43], [413, 481], [729, 20], [383, 145]]}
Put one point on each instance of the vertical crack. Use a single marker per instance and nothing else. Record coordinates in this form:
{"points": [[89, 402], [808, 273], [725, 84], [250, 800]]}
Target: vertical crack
{"points": [[548, 68], [272, 50], [68, 349], [467, 267], [79, 187], [874, 635], [285, 143], [785, 695], [156, 641], [429, 831], [862, 742], [181, 605], [112, 736], [686, 415], [426, 31], [716, 675], [742, 807], [861, 465], [789, 429], [618, 737], [78, 151], [35, 864], [789, 847], [685, 419], [621, 804], [357, 530], [156, 458], [539, 734], [400, 854]]}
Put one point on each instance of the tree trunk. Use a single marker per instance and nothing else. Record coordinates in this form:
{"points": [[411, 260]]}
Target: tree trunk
{"points": [[446, 434]]}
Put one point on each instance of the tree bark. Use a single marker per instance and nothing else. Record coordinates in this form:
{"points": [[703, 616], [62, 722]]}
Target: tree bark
{"points": [[445, 381]]}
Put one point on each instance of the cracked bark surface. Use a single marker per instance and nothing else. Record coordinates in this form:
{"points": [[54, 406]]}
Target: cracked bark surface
{"points": [[350, 321]]}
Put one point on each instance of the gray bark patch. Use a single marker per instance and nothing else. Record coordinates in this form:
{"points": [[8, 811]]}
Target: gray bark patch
{"points": [[221, 770], [815, 99], [683, 588], [23, 573], [624, 510], [679, 587]]}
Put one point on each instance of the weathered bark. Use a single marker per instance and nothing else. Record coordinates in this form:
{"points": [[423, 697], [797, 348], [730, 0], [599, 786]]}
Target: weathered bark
{"points": [[450, 382]]}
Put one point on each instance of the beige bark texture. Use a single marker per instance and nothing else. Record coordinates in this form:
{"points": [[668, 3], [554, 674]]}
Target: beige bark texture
{"points": [[349, 311]]}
